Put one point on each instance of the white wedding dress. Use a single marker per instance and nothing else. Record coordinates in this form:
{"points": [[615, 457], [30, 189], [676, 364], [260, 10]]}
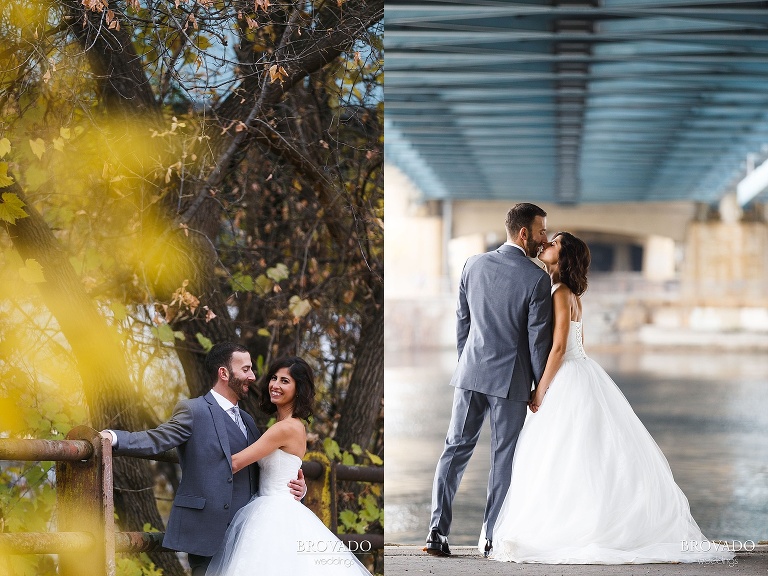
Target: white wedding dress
{"points": [[275, 535], [589, 483]]}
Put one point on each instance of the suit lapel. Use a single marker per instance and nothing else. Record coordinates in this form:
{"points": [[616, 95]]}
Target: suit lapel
{"points": [[220, 425]]}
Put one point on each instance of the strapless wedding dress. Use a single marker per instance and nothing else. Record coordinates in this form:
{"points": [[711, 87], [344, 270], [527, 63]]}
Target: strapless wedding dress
{"points": [[276, 535], [589, 483]]}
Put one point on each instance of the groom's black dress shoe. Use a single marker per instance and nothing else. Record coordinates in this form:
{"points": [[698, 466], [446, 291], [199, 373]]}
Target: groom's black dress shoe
{"points": [[488, 548], [437, 544]]}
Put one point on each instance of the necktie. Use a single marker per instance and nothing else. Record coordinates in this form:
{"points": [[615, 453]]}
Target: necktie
{"points": [[239, 421]]}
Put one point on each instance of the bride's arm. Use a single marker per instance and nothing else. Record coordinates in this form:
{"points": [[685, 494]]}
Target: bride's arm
{"points": [[277, 436], [561, 310]]}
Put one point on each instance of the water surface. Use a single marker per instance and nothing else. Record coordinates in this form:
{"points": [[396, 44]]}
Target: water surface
{"points": [[707, 410]]}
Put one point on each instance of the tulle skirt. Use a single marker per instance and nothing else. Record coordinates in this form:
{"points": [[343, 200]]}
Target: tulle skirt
{"points": [[278, 536], [591, 486]]}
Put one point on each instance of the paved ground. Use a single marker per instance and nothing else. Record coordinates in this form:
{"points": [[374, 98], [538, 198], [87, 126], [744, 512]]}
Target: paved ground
{"points": [[411, 561]]}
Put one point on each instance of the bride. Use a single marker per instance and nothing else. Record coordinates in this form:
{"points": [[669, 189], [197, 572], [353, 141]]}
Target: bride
{"points": [[589, 483], [273, 534]]}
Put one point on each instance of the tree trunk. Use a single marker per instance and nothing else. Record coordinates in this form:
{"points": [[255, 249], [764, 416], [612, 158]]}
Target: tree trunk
{"points": [[102, 367], [366, 387]]}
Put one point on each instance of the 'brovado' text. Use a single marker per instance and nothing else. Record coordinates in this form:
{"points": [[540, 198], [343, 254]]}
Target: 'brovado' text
{"points": [[331, 547], [707, 546]]}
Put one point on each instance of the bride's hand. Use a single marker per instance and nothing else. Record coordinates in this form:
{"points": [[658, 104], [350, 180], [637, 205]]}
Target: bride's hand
{"points": [[538, 398], [236, 464]]}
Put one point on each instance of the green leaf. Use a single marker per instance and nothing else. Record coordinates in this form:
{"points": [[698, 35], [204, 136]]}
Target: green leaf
{"points": [[347, 459], [278, 273], [5, 146], [263, 285], [204, 342], [263, 332], [356, 450], [32, 273], [331, 448], [348, 518], [163, 332], [5, 180], [242, 282], [179, 335], [375, 460]]}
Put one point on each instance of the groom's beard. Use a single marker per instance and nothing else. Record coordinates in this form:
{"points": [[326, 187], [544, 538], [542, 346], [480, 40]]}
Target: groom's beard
{"points": [[239, 386], [532, 248]]}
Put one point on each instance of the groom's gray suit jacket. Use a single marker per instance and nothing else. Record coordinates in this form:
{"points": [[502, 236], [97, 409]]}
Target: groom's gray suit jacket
{"points": [[209, 494], [504, 326]]}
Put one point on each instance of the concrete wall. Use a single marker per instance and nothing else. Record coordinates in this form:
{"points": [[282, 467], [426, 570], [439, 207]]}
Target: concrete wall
{"points": [[666, 219]]}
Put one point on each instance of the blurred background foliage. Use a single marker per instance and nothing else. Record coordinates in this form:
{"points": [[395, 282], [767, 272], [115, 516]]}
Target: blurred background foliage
{"points": [[174, 174]]}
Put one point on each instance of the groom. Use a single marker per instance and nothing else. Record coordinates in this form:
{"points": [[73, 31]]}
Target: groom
{"points": [[504, 335], [206, 430]]}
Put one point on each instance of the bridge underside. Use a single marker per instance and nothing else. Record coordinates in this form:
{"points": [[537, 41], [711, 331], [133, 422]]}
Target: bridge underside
{"points": [[577, 101]]}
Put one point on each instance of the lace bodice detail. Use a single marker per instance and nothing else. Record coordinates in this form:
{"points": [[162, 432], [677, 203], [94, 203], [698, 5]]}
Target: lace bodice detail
{"points": [[277, 469], [574, 347]]}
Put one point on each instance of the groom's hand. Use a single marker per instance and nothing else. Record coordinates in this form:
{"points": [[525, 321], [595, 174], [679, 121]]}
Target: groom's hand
{"points": [[299, 486]]}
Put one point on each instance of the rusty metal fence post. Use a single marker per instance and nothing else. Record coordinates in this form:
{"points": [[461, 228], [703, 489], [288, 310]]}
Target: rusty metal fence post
{"points": [[84, 503], [321, 489]]}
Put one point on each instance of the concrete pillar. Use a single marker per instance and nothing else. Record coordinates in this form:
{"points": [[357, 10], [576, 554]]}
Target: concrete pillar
{"points": [[413, 241], [726, 264], [659, 259]]}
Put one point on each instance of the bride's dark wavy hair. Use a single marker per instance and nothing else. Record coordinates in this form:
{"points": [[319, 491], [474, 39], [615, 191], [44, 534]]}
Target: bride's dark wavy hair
{"points": [[573, 262], [301, 372]]}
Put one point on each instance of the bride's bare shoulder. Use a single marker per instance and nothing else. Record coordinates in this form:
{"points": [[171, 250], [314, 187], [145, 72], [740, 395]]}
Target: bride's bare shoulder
{"points": [[560, 290]]}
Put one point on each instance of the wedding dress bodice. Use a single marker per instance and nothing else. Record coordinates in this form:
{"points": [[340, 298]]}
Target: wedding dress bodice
{"points": [[277, 469], [575, 346]]}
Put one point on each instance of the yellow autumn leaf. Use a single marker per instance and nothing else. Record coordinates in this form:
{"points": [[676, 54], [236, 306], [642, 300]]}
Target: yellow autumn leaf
{"points": [[5, 146], [32, 273], [58, 144], [38, 147], [65, 133], [5, 180], [299, 307], [12, 208]]}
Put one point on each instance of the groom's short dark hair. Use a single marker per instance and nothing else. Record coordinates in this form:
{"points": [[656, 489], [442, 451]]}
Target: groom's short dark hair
{"points": [[522, 216], [221, 355]]}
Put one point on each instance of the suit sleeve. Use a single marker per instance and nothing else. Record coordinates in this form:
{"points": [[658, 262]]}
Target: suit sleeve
{"points": [[540, 326], [168, 435], [463, 320]]}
